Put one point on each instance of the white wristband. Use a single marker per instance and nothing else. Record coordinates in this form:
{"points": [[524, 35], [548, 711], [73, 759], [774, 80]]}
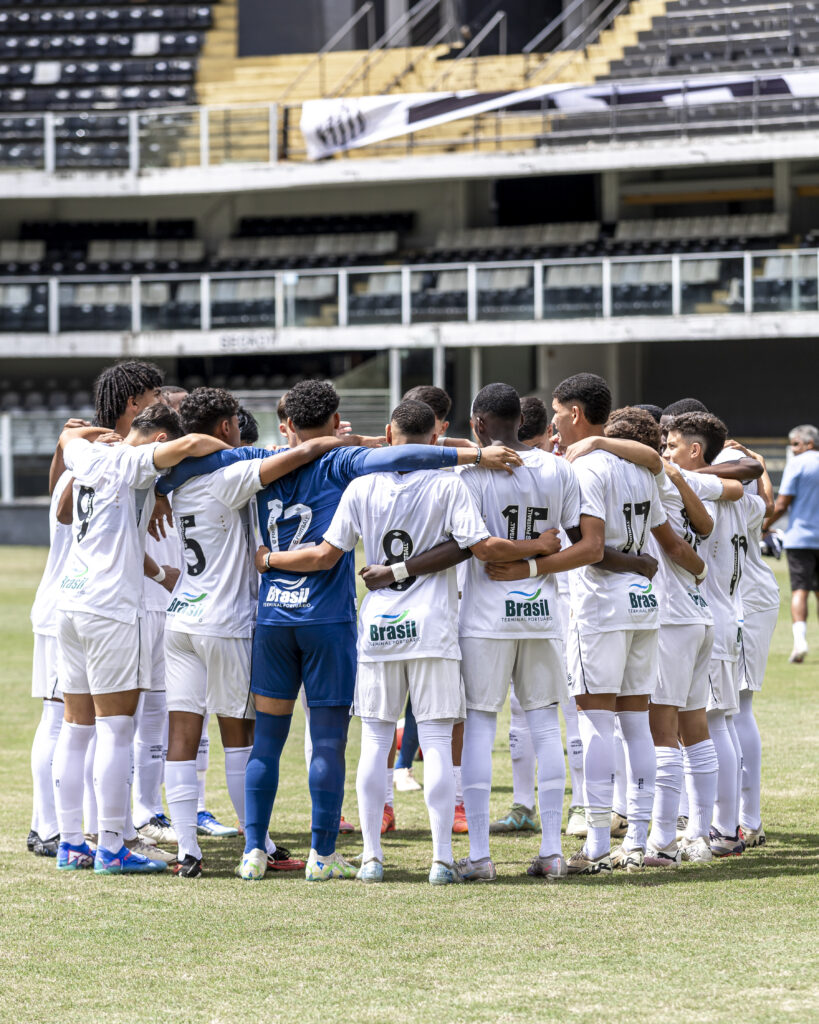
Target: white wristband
{"points": [[700, 579], [532, 567], [399, 571], [160, 576]]}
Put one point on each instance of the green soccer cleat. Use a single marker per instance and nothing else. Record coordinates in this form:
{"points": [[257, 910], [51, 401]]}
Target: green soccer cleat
{"points": [[253, 866], [323, 869], [518, 819]]}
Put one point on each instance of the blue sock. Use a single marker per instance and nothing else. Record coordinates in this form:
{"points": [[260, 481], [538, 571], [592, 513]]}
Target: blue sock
{"points": [[409, 741], [328, 731], [262, 776]]}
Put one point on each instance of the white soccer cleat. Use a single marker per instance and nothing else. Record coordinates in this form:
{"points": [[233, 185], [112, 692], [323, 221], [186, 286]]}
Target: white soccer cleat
{"points": [[798, 654], [323, 869], [663, 856], [158, 830], [149, 850], [444, 874], [371, 871], [753, 836], [631, 860], [576, 824], [682, 825], [404, 781], [619, 825], [581, 863], [696, 851], [253, 866]]}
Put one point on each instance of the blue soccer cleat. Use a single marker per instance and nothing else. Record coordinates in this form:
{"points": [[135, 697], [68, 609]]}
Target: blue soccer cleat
{"points": [[73, 858], [207, 825], [125, 862]]}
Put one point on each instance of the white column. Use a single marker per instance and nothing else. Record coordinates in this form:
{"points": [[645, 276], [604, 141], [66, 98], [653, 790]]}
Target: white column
{"points": [[439, 365], [475, 370], [395, 377], [7, 480]]}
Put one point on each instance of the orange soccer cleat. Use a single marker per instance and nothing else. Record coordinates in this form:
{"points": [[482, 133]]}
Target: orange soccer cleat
{"points": [[459, 825], [388, 821]]}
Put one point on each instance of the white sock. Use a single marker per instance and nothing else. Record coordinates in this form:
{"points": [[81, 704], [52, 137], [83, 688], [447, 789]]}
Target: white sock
{"points": [[683, 811], [597, 733], [619, 800], [523, 755], [800, 635], [67, 771], [129, 832], [476, 768], [574, 751], [750, 814], [370, 782], [725, 805], [666, 796], [112, 769], [89, 796], [700, 767], [202, 761], [150, 744], [439, 784], [44, 813], [544, 728], [641, 772], [181, 791], [390, 797], [235, 767], [732, 732], [459, 785]]}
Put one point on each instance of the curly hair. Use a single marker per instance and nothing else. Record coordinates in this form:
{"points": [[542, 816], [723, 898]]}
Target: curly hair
{"points": [[248, 426], [535, 418], [634, 424], [117, 383], [158, 417], [205, 408], [436, 398], [704, 427], [310, 403], [414, 418], [589, 391]]}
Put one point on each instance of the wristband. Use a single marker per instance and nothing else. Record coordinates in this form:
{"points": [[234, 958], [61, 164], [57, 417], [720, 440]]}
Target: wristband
{"points": [[533, 571], [399, 571], [160, 576], [267, 560], [478, 454], [700, 579]]}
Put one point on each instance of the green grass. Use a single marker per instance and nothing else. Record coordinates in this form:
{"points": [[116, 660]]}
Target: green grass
{"points": [[734, 941]]}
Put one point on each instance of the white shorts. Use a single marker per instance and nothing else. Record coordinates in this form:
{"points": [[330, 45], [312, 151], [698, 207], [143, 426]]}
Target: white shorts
{"points": [[434, 685], [684, 657], [44, 675], [723, 686], [757, 633], [153, 626], [623, 662], [208, 673], [98, 655], [537, 667]]}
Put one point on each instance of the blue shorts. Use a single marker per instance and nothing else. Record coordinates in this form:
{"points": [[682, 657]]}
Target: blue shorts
{"points": [[322, 656]]}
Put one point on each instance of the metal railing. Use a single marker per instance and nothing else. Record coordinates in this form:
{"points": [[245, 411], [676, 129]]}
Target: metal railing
{"points": [[497, 21], [366, 10]]}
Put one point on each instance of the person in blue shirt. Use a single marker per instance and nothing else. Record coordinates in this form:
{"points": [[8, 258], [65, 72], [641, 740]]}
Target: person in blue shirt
{"points": [[306, 623]]}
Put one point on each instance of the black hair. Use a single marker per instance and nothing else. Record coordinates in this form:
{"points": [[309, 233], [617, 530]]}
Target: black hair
{"points": [[499, 400], [535, 418], [414, 418], [159, 417], [310, 403], [117, 383], [436, 398], [589, 391], [654, 410], [172, 389], [248, 427], [205, 408], [634, 424], [704, 427], [280, 409], [684, 405]]}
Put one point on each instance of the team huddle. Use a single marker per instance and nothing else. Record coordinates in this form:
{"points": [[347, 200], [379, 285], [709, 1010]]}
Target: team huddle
{"points": [[603, 564]]}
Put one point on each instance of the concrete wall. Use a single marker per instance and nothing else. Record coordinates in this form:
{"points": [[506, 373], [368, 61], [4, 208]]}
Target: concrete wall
{"points": [[24, 523]]}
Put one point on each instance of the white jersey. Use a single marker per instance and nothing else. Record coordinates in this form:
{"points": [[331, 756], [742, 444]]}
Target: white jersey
{"points": [[44, 609], [682, 603], [541, 494], [217, 591], [724, 552], [397, 514], [165, 551], [625, 497], [104, 569]]}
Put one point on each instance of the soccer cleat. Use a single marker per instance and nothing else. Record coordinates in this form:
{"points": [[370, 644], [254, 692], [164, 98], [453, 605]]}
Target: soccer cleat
{"points": [[160, 830], [581, 864], [31, 839], [444, 874], [663, 856], [631, 860], [149, 850], [92, 838], [554, 866], [477, 870], [188, 867], [388, 819], [345, 828], [207, 825], [682, 825], [253, 866], [48, 847], [696, 851], [73, 858], [751, 837], [576, 823], [125, 862], [404, 781], [459, 825], [619, 825], [371, 871], [322, 869], [725, 846], [280, 860], [798, 653], [518, 819]]}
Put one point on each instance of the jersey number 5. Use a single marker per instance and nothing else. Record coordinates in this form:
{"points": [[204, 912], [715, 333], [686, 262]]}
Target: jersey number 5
{"points": [[197, 566]]}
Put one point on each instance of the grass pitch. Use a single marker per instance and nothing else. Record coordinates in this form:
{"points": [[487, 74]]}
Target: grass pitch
{"points": [[734, 941]]}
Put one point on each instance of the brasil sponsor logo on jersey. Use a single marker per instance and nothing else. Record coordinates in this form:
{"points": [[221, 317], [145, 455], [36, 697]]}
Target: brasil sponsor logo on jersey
{"points": [[641, 597], [521, 605], [697, 598], [75, 581], [288, 593], [189, 606], [391, 628]]}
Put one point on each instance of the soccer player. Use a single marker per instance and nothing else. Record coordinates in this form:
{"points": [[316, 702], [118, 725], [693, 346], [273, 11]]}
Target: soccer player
{"points": [[248, 427], [100, 653], [613, 641], [407, 638]]}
